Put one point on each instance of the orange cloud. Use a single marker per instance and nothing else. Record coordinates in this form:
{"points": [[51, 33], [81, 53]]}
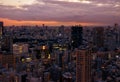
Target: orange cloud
{"points": [[9, 22]]}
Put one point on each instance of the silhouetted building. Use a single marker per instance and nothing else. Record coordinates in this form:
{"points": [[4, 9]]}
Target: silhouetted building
{"points": [[8, 60], [23, 78], [98, 36], [83, 65], [76, 36], [60, 62], [61, 30], [1, 33], [20, 48], [116, 30], [7, 44], [1, 28]]}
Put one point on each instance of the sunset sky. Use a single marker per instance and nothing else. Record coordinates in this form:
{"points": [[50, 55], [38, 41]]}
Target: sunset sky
{"points": [[59, 12]]}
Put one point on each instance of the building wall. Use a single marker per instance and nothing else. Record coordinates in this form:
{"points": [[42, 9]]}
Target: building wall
{"points": [[1, 33], [98, 36], [20, 48], [83, 66], [76, 36], [8, 60]]}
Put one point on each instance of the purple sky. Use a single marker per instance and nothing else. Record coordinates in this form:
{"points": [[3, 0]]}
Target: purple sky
{"points": [[83, 11]]}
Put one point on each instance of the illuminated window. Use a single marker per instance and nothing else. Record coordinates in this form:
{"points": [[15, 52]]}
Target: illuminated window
{"points": [[43, 47], [49, 56], [23, 60], [20, 49]]}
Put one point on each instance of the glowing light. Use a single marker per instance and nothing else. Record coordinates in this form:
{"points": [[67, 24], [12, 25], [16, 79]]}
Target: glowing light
{"points": [[117, 56], [23, 60], [49, 56], [72, 41], [103, 67], [43, 47], [20, 49], [28, 59]]}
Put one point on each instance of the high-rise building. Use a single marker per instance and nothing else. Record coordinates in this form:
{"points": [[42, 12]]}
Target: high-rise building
{"points": [[1, 28], [20, 48], [116, 30], [60, 62], [98, 37], [5, 40], [83, 65], [7, 44], [76, 36], [8, 60], [61, 31], [1, 33]]}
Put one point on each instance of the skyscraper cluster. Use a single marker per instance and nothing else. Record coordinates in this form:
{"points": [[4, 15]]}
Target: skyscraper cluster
{"points": [[59, 53]]}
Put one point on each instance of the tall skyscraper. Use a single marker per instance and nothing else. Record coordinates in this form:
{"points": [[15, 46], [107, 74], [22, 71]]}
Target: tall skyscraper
{"points": [[116, 30], [7, 44], [98, 36], [1, 33], [1, 28], [8, 60], [83, 65], [76, 36]]}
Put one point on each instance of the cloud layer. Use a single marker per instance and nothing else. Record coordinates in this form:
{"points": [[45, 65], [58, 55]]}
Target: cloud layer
{"points": [[90, 11]]}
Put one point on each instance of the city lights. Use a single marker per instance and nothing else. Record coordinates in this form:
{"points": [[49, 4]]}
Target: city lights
{"points": [[59, 41]]}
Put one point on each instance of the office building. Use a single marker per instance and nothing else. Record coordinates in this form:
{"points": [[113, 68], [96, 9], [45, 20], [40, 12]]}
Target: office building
{"points": [[83, 66], [7, 44], [76, 36], [1, 33], [98, 37], [1, 28], [20, 48], [8, 60]]}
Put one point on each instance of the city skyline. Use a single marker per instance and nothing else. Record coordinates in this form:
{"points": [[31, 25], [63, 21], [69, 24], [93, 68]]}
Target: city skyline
{"points": [[58, 12]]}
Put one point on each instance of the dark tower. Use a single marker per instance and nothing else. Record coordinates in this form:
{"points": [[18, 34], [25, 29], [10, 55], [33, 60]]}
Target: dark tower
{"points": [[83, 65], [98, 36], [1, 29], [1, 33], [76, 36], [7, 44]]}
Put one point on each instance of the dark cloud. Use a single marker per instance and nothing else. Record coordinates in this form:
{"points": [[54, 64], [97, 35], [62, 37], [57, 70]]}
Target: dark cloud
{"points": [[98, 11]]}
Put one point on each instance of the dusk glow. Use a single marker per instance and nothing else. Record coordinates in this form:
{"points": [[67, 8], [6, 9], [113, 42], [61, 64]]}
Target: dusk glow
{"points": [[59, 40], [56, 12]]}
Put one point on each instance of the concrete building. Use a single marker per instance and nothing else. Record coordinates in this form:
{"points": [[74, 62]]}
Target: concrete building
{"points": [[76, 36], [20, 48], [1, 33], [83, 66], [98, 37], [8, 60]]}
